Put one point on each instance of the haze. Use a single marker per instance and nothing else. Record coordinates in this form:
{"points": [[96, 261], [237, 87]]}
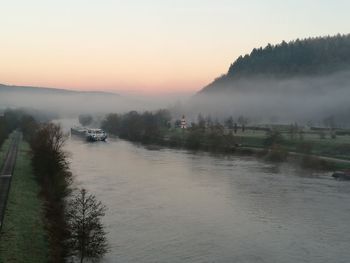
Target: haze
{"points": [[270, 100], [147, 47]]}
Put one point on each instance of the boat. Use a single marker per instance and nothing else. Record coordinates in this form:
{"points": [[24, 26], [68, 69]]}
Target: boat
{"points": [[94, 135], [77, 130], [341, 175], [89, 134]]}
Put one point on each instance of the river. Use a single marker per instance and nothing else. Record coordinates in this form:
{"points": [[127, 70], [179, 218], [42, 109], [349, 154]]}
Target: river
{"points": [[169, 205]]}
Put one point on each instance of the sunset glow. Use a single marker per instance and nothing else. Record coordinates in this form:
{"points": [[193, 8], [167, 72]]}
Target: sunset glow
{"points": [[146, 46]]}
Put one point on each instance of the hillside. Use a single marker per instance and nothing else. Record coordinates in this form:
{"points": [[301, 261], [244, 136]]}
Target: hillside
{"points": [[68, 103], [43, 90], [57, 101], [299, 58]]}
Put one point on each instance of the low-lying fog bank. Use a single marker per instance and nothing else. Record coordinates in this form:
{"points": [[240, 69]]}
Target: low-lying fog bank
{"points": [[259, 99], [286, 100]]}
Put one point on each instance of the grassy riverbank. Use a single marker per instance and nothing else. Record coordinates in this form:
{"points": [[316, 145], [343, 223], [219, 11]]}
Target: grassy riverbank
{"points": [[23, 237], [309, 149], [338, 147], [313, 148]]}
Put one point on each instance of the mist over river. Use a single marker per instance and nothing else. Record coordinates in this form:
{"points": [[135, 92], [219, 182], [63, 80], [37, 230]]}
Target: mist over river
{"points": [[171, 205]]}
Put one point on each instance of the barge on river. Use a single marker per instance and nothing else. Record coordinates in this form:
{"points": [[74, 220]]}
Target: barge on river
{"points": [[89, 134]]}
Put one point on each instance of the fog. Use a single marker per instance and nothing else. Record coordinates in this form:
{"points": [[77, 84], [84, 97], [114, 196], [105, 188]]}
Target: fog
{"points": [[261, 99], [66, 103]]}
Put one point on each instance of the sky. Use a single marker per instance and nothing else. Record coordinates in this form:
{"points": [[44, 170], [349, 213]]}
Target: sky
{"points": [[148, 47]]}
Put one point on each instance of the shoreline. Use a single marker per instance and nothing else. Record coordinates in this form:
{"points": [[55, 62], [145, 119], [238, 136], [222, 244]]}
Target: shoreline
{"points": [[316, 162]]}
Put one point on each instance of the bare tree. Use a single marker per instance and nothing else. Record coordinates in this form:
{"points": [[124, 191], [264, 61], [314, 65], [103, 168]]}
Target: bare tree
{"points": [[87, 238], [243, 122]]}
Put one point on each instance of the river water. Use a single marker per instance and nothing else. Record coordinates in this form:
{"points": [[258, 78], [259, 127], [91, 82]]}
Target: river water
{"points": [[170, 205]]}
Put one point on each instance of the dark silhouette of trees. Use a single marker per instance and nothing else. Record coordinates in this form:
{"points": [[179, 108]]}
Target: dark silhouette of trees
{"points": [[9, 121], [52, 171], [293, 129], [28, 126], [146, 127], [85, 119], [16, 119], [177, 123], [112, 123], [273, 143], [87, 238], [273, 137], [201, 121], [311, 56], [229, 123], [240, 120], [195, 139], [6, 127], [51, 168]]}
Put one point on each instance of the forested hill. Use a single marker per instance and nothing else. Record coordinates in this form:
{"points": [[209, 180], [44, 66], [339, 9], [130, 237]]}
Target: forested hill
{"points": [[312, 56]]}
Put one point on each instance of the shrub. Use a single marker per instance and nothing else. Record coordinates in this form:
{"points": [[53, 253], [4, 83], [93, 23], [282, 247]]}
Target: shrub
{"points": [[273, 137], [277, 154]]}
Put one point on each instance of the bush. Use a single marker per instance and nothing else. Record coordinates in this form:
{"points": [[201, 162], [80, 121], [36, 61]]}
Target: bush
{"points": [[311, 162], [175, 140], [273, 137], [342, 132], [194, 139], [277, 154], [304, 147]]}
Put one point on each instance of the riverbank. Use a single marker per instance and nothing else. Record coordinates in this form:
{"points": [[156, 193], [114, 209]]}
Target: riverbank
{"points": [[308, 152], [23, 237], [239, 205], [317, 149]]}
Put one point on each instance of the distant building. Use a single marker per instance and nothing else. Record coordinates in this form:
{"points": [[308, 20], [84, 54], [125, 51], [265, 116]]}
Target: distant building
{"points": [[183, 122]]}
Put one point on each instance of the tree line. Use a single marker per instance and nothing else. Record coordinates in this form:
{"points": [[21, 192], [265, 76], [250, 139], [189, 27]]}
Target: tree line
{"points": [[9, 121], [147, 127], [225, 136], [159, 128], [299, 57], [72, 218]]}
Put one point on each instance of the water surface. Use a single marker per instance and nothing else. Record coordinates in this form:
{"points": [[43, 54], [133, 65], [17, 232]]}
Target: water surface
{"points": [[176, 206]]}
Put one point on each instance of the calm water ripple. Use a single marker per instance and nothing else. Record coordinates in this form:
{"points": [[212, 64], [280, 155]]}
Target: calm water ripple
{"points": [[176, 206]]}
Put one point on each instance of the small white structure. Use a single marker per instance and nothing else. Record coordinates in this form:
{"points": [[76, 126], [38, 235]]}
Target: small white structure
{"points": [[183, 122]]}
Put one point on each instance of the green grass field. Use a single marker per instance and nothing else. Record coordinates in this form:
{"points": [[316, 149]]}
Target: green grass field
{"points": [[23, 236], [327, 146]]}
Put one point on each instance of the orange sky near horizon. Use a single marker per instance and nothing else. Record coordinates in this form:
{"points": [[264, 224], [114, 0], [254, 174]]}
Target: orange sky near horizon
{"points": [[147, 46], [117, 72]]}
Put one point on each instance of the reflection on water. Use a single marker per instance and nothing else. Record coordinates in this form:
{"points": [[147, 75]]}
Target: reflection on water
{"points": [[175, 206]]}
